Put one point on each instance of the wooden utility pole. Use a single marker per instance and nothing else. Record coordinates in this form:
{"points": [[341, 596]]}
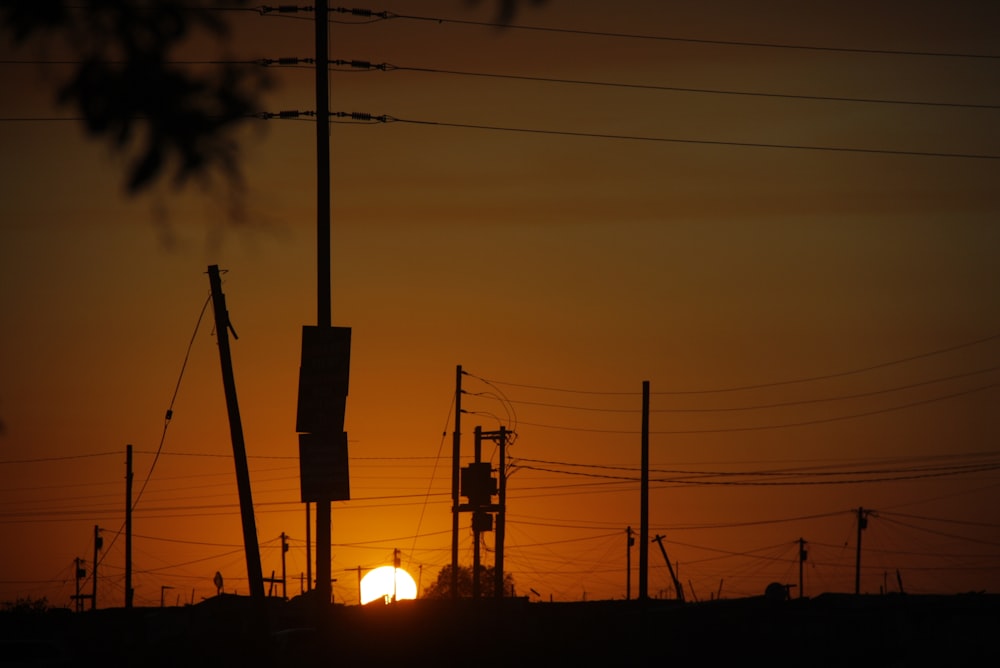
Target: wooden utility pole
{"points": [[80, 574], [644, 499], [862, 525], [678, 588], [498, 589], [98, 543], [629, 542], [803, 555], [128, 526], [456, 464], [478, 451], [284, 580], [222, 329], [309, 572]]}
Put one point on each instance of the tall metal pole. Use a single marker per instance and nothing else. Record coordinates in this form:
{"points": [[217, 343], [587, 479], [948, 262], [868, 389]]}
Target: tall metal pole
{"points": [[644, 499], [128, 526], [250, 545], [456, 453], [324, 299]]}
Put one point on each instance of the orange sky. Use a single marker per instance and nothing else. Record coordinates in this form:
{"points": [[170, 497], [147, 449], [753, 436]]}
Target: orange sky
{"points": [[560, 272]]}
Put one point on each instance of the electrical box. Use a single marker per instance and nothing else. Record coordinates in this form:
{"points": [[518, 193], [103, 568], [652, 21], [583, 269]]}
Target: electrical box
{"points": [[478, 484], [482, 521]]}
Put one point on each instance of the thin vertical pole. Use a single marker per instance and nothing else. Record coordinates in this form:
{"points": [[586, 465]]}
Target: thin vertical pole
{"points": [[284, 582], [456, 453], [862, 521], [802, 559], [77, 598], [93, 571], [629, 542], [498, 588], [128, 526], [478, 453], [644, 499], [309, 570]]}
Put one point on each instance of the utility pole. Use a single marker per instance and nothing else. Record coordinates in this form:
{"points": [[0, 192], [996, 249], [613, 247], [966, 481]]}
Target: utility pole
{"points": [[80, 573], [630, 541], [395, 572], [475, 525], [456, 464], [324, 299], [98, 544], [862, 525], [284, 581], [498, 589], [644, 500], [309, 573], [222, 328], [803, 555], [673, 576], [128, 527]]}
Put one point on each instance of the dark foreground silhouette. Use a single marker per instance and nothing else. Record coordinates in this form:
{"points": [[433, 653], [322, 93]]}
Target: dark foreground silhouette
{"points": [[829, 630]]}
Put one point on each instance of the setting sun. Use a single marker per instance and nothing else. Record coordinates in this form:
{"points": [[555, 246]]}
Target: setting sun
{"points": [[387, 583]]}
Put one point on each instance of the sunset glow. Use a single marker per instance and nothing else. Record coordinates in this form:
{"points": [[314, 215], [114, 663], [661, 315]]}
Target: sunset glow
{"points": [[387, 583], [796, 247]]}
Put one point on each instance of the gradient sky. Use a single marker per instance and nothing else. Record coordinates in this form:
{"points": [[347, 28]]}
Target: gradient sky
{"points": [[560, 272]]}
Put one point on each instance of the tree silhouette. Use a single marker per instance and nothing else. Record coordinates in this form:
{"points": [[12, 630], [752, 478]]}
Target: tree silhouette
{"points": [[441, 587], [165, 116]]}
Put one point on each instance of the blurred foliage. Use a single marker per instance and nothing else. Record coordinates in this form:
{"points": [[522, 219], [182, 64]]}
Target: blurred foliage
{"points": [[167, 117]]}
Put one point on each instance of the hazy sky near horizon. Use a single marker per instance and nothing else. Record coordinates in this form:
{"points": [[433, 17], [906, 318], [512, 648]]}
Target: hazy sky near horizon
{"points": [[795, 244]]}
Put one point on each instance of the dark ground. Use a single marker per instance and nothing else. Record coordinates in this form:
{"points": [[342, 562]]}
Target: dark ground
{"points": [[829, 630]]}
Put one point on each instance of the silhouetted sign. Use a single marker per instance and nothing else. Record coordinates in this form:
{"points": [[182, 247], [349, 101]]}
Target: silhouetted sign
{"points": [[323, 467], [323, 379]]}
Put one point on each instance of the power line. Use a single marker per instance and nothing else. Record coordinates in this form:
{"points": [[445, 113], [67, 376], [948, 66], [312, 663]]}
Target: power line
{"points": [[782, 404], [781, 483], [771, 472], [791, 381], [59, 458], [692, 40], [784, 425], [370, 119], [387, 67], [697, 142]]}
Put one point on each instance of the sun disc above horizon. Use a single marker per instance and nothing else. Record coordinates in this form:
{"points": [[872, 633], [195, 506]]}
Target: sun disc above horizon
{"points": [[387, 583]]}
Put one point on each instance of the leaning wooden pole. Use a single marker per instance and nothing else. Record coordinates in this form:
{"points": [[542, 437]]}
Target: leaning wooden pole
{"points": [[222, 329]]}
